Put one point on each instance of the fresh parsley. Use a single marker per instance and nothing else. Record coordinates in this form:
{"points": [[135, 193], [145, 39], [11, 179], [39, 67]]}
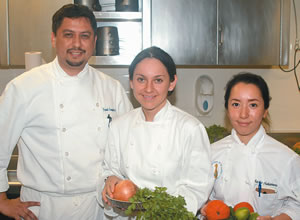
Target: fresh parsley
{"points": [[158, 204], [216, 132]]}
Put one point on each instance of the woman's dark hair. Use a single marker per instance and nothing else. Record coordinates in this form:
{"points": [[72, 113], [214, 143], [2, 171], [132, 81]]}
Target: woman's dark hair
{"points": [[73, 11], [157, 53], [249, 78]]}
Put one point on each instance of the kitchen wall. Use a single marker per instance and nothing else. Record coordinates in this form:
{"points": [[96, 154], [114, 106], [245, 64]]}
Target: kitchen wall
{"points": [[285, 104]]}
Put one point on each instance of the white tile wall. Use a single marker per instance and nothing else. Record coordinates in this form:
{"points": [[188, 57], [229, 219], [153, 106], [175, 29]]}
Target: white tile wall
{"points": [[285, 104]]}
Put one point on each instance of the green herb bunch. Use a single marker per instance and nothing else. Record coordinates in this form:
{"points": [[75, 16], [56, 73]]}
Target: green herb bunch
{"points": [[158, 204], [216, 132]]}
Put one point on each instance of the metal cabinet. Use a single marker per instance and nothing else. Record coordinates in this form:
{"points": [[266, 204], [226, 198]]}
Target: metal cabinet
{"points": [[194, 32], [187, 30], [226, 32], [250, 32], [27, 27]]}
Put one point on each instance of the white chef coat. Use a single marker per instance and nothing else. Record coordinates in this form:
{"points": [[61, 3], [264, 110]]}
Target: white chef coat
{"points": [[173, 151], [60, 124], [240, 170]]}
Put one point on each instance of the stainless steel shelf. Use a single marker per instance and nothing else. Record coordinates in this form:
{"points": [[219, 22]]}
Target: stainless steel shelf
{"points": [[126, 16], [111, 60], [133, 30]]}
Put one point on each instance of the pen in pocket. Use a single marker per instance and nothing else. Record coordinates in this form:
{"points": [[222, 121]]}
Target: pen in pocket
{"points": [[109, 119]]}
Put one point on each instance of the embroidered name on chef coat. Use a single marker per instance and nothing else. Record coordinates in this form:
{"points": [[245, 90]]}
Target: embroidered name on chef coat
{"points": [[264, 187], [109, 116]]}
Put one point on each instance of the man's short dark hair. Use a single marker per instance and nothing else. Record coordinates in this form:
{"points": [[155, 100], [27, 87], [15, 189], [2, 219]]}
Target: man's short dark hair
{"points": [[73, 11]]}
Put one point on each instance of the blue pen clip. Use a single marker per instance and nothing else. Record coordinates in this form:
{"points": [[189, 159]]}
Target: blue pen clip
{"points": [[259, 188], [109, 119]]}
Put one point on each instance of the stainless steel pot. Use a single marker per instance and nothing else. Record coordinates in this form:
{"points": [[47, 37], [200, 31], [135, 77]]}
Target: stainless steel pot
{"points": [[94, 5], [107, 41], [127, 5]]}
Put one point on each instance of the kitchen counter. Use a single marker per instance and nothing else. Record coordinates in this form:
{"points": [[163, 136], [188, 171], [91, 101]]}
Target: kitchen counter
{"points": [[288, 139]]}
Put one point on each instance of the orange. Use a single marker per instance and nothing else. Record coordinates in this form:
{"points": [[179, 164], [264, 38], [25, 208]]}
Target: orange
{"points": [[216, 209], [296, 146]]}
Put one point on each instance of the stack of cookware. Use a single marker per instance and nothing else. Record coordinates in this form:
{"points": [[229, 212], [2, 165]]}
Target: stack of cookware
{"points": [[94, 5], [107, 41], [107, 36]]}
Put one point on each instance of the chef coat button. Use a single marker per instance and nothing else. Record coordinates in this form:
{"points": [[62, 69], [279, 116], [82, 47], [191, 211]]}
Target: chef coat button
{"points": [[66, 154], [97, 104], [61, 105], [159, 147], [69, 178], [154, 171], [99, 128], [64, 130]]}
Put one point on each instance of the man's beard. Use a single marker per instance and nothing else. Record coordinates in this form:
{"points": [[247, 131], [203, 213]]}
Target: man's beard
{"points": [[74, 64]]}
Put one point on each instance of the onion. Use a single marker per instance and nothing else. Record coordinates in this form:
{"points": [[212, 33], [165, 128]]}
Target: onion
{"points": [[124, 190]]}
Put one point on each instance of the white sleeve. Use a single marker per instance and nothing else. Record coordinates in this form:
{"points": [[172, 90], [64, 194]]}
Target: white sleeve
{"points": [[291, 193], [12, 117], [197, 181]]}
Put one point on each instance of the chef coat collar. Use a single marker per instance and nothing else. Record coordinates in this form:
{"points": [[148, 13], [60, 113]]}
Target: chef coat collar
{"points": [[60, 73], [254, 141], [160, 116]]}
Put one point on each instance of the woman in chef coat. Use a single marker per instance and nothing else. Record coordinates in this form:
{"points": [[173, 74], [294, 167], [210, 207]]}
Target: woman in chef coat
{"points": [[158, 144], [249, 165]]}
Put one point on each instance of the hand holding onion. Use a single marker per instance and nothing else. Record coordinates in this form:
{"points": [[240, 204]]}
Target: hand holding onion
{"points": [[109, 187], [118, 189]]}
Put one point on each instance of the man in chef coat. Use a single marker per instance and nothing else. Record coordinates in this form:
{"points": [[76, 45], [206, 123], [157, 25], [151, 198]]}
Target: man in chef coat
{"points": [[58, 114]]}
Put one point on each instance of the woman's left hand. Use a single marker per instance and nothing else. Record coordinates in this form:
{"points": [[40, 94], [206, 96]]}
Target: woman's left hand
{"points": [[109, 187]]}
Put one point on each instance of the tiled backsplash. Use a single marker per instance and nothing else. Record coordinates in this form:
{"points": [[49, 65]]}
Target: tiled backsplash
{"points": [[284, 102]]}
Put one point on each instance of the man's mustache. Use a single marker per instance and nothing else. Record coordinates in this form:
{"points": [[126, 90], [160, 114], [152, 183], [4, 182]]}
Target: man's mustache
{"points": [[77, 49]]}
